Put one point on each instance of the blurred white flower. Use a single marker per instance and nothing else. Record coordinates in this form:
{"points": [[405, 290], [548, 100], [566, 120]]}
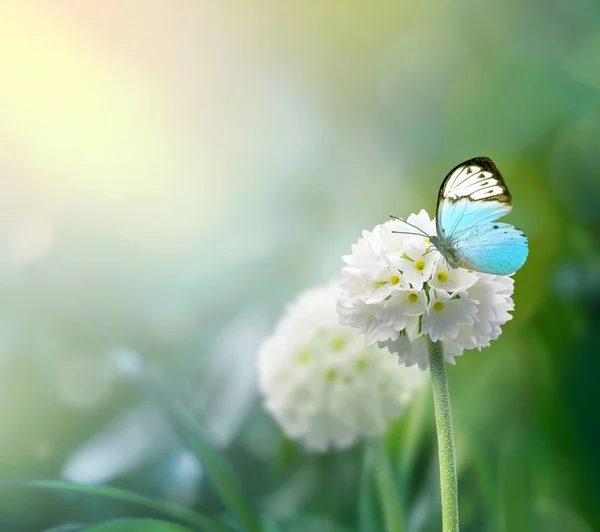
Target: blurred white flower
{"points": [[396, 288], [321, 382]]}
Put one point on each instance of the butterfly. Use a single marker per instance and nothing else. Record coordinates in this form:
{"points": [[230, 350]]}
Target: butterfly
{"points": [[472, 197]]}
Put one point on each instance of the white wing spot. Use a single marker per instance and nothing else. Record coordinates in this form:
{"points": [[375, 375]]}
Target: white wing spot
{"points": [[486, 192], [473, 182]]}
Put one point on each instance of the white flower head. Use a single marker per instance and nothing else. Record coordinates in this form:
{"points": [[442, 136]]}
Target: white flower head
{"points": [[320, 381], [396, 289]]}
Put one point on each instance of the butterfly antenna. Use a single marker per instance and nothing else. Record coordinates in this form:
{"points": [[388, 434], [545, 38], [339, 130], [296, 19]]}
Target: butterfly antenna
{"points": [[408, 223], [406, 233]]}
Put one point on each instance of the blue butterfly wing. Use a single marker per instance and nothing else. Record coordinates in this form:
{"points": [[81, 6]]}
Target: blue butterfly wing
{"points": [[497, 248], [471, 198], [458, 219]]}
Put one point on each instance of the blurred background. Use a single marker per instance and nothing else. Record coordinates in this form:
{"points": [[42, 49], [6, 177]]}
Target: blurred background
{"points": [[174, 171]]}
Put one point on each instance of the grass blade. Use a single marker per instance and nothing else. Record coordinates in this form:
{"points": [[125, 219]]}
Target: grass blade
{"points": [[168, 509], [137, 525], [389, 494], [367, 508], [218, 470]]}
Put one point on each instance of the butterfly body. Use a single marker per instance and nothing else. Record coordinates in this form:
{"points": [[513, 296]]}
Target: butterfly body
{"points": [[472, 197], [445, 249]]}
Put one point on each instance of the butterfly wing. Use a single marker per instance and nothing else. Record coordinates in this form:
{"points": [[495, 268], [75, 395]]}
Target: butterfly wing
{"points": [[471, 198], [497, 248]]}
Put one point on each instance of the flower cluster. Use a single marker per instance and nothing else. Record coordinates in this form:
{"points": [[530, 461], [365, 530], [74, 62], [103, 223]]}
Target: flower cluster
{"points": [[397, 288], [321, 382]]}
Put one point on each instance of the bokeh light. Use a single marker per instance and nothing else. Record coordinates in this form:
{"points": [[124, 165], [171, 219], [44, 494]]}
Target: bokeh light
{"points": [[174, 172]]}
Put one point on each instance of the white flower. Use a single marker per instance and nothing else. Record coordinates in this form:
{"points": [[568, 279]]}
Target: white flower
{"points": [[451, 279], [321, 382], [416, 264], [396, 289], [446, 312], [409, 352], [400, 307]]}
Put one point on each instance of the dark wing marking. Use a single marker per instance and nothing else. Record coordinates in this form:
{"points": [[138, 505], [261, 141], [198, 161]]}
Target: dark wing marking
{"points": [[473, 192]]}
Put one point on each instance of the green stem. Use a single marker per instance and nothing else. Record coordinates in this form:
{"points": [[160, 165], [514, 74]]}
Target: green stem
{"points": [[443, 421]]}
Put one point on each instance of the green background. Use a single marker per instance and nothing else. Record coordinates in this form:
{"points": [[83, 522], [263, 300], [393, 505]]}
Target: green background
{"points": [[173, 172]]}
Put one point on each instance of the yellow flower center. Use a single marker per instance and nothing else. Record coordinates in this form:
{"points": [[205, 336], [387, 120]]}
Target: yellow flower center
{"points": [[438, 306], [412, 297], [337, 343], [427, 241], [361, 364], [420, 265], [304, 357], [394, 279], [442, 277], [331, 375]]}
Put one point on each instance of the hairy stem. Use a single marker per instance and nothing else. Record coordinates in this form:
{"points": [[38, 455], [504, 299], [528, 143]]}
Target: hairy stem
{"points": [[443, 421]]}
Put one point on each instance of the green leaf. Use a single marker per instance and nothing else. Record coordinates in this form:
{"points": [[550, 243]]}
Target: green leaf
{"points": [[516, 489], [367, 507], [138, 525], [171, 510], [269, 525], [389, 494], [552, 516], [217, 469], [286, 455]]}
